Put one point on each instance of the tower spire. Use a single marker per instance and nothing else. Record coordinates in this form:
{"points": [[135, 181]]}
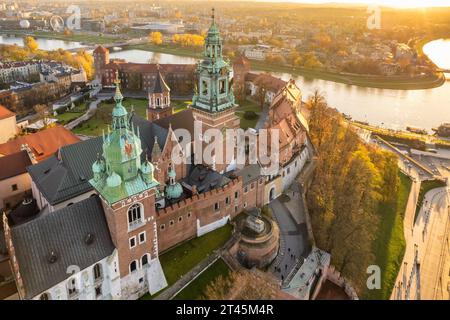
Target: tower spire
{"points": [[213, 16]]}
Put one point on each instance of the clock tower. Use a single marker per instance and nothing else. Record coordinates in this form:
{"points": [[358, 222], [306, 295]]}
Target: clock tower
{"points": [[214, 103]]}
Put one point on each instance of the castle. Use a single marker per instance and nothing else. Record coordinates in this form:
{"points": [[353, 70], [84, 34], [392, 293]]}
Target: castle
{"points": [[105, 208]]}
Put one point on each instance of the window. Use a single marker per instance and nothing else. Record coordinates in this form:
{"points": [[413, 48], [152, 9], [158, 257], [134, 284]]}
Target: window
{"points": [[134, 216], [142, 237], [171, 222], [97, 272], [98, 291], [216, 206], [236, 194], [245, 204], [246, 189], [44, 296], [227, 200], [144, 260], [132, 242], [222, 86], [204, 88], [235, 208], [189, 215], [252, 186], [14, 187], [133, 266], [71, 287], [162, 227], [288, 170], [180, 218]]}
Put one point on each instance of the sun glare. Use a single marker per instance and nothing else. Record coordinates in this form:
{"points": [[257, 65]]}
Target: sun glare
{"points": [[390, 3]]}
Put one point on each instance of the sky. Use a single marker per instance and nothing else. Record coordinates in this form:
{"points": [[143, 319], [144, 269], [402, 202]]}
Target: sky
{"points": [[391, 3]]}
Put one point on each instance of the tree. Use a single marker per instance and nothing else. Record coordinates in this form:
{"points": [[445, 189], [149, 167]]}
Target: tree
{"points": [[30, 43], [156, 38], [350, 181], [42, 114], [242, 285]]}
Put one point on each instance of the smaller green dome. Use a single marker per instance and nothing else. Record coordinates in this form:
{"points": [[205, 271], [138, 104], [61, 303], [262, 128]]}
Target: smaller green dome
{"points": [[173, 191], [98, 166], [114, 180], [119, 110], [147, 168]]}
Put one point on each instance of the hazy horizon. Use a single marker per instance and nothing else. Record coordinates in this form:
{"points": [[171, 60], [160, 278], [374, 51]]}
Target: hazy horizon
{"points": [[389, 3]]}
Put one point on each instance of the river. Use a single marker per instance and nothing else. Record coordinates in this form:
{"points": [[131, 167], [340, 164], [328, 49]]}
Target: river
{"points": [[394, 109]]}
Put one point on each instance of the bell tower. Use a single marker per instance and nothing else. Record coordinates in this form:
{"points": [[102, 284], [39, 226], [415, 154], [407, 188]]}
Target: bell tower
{"points": [[213, 102], [128, 189]]}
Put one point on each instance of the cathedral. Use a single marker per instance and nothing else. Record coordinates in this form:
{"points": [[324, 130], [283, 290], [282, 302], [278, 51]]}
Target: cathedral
{"points": [[104, 209]]}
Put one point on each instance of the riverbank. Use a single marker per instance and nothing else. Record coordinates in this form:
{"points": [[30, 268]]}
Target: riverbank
{"points": [[87, 39], [380, 82], [371, 81]]}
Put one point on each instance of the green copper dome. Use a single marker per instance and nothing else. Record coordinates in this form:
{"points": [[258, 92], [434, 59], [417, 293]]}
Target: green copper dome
{"points": [[113, 180], [174, 191], [98, 166], [121, 159], [147, 170]]}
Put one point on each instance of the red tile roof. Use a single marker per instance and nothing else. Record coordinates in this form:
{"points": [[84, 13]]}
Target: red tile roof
{"points": [[14, 164], [101, 49], [42, 143], [270, 82], [5, 113]]}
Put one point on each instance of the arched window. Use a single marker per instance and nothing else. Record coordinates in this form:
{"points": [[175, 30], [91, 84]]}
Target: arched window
{"points": [[144, 260], [134, 215], [72, 287], [158, 102], [133, 266], [44, 296], [97, 272]]}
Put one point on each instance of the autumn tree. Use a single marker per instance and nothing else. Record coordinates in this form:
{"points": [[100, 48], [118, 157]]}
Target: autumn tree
{"points": [[350, 181], [188, 40], [156, 38], [30, 43], [242, 285]]}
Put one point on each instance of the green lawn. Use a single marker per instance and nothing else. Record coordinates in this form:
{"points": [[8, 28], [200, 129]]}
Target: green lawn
{"points": [[389, 245], [180, 105], [67, 117], [196, 289], [102, 117], [179, 260], [247, 106], [426, 186]]}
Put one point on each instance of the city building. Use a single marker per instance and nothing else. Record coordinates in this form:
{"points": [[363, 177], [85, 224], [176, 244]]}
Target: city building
{"points": [[8, 124], [41, 144], [141, 77]]}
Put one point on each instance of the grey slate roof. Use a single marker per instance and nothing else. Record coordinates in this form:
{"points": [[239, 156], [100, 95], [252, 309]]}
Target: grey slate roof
{"points": [[62, 179], [65, 178], [148, 131], [63, 232], [160, 85], [205, 179], [249, 173]]}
